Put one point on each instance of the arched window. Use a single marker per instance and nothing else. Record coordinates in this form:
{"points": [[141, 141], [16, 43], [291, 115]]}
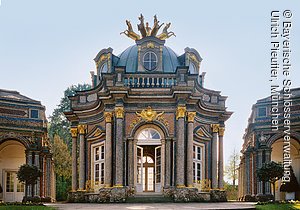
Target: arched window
{"points": [[104, 68], [150, 61], [149, 134]]}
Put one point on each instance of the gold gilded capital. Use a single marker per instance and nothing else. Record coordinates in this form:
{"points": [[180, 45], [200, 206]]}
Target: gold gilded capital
{"points": [[74, 132], [215, 128], [81, 128], [108, 117], [180, 112], [191, 116], [119, 111], [221, 131]]}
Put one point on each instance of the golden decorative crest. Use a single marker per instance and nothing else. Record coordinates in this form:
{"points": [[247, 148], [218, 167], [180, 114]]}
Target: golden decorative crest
{"points": [[221, 131], [191, 116], [149, 115], [119, 111], [74, 132], [108, 116], [98, 132], [180, 112], [215, 128], [81, 129], [146, 30]]}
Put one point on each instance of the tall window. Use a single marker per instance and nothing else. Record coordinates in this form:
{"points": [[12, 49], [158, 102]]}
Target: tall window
{"points": [[197, 162], [99, 155]]}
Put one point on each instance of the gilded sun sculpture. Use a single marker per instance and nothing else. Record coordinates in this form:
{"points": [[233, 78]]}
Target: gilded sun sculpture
{"points": [[146, 30]]}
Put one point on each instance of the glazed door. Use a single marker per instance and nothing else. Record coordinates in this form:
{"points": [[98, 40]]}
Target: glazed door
{"points": [[139, 155], [158, 170], [14, 190]]}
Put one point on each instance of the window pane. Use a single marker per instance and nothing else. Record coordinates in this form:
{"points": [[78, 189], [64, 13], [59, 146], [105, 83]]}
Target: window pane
{"points": [[9, 182], [102, 152], [97, 153]]}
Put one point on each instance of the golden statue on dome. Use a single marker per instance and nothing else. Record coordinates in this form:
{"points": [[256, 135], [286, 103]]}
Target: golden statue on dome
{"points": [[146, 30]]}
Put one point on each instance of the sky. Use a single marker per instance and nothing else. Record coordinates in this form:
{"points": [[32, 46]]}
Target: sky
{"points": [[46, 46]]}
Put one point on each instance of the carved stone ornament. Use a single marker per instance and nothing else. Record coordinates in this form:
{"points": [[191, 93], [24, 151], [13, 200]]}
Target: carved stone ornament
{"points": [[145, 30], [149, 114], [221, 131], [81, 128], [119, 111], [74, 132], [180, 112], [191, 116], [108, 117], [215, 128]]}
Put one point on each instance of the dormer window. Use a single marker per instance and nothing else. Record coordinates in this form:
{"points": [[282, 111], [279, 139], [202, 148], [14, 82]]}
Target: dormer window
{"points": [[104, 68], [150, 61]]}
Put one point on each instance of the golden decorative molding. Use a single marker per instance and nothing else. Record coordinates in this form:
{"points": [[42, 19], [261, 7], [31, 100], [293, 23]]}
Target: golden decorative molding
{"points": [[191, 116], [149, 114], [98, 132], [81, 128], [108, 117], [145, 30], [74, 132], [221, 131], [200, 132], [180, 112], [150, 45], [215, 128], [119, 111]]}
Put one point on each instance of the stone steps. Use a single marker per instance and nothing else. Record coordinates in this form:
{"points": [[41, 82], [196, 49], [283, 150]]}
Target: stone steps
{"points": [[149, 198]]}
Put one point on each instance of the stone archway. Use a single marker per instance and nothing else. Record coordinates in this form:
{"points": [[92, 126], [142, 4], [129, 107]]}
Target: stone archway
{"points": [[277, 156], [12, 156]]}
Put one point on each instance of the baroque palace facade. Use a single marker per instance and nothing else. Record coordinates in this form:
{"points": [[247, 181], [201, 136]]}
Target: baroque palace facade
{"points": [[262, 144], [23, 139], [148, 124]]}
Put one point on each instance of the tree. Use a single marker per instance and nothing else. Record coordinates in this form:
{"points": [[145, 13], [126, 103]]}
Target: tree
{"points": [[58, 123], [270, 172], [28, 174], [293, 185], [232, 168], [60, 137]]}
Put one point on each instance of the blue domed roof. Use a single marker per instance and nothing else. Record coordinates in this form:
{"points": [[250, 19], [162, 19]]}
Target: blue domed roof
{"points": [[129, 59]]}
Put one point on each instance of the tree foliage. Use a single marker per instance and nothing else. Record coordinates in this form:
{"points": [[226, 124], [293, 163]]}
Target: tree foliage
{"points": [[270, 172], [62, 158], [60, 137], [232, 167], [59, 125], [293, 185], [28, 174]]}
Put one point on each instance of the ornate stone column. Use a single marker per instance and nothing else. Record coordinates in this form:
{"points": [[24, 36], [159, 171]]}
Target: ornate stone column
{"points": [[37, 164], [180, 134], [131, 157], [74, 158], [259, 165], [29, 162], [168, 171], [81, 131], [267, 159], [189, 150], [108, 149], [214, 155], [221, 161], [119, 113]]}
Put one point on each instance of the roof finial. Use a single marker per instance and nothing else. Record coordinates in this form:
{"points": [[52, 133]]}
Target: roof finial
{"points": [[147, 30]]}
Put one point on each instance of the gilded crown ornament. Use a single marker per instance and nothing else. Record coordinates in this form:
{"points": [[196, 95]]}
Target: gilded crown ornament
{"points": [[145, 30], [149, 115]]}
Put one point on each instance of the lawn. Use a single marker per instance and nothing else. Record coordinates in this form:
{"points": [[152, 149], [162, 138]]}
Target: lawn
{"points": [[278, 207], [11, 207]]}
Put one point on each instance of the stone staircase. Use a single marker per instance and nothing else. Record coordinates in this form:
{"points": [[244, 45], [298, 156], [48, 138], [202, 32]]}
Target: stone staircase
{"points": [[149, 198]]}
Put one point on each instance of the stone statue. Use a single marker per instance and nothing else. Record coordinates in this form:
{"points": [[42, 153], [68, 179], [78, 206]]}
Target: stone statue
{"points": [[165, 34], [148, 29], [129, 32], [141, 27], [156, 26]]}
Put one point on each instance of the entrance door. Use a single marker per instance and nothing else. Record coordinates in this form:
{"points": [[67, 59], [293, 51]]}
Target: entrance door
{"points": [[158, 166], [14, 190], [139, 185]]}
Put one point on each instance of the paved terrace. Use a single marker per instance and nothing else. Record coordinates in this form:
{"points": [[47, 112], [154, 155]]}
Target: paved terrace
{"points": [[155, 206]]}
